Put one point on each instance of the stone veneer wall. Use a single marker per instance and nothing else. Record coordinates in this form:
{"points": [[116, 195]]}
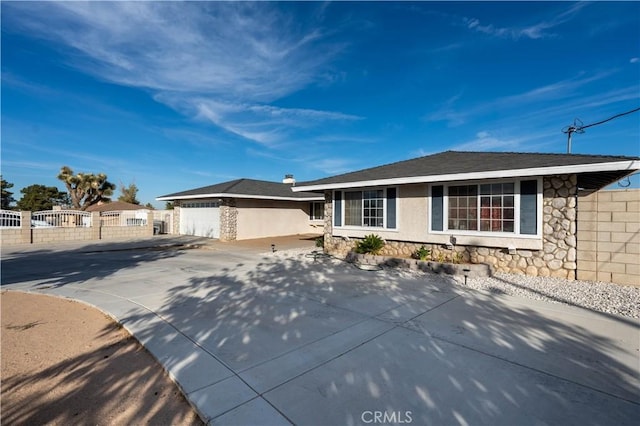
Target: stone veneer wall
{"points": [[557, 258], [176, 217], [228, 220]]}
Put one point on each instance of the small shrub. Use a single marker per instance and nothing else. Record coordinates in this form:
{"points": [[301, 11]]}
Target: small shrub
{"points": [[422, 253], [371, 244], [457, 258], [320, 242]]}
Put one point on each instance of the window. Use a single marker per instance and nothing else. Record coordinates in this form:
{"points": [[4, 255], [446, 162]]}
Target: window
{"points": [[368, 208], [463, 207], [373, 203], [316, 210], [506, 207], [199, 204], [497, 207]]}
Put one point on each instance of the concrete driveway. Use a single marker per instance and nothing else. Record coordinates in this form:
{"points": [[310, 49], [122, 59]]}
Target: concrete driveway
{"points": [[258, 338]]}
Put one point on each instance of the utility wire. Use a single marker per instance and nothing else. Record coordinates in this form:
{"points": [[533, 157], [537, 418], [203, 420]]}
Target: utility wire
{"points": [[610, 118], [578, 127]]}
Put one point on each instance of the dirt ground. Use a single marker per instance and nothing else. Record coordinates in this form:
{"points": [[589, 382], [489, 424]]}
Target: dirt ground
{"points": [[66, 363]]}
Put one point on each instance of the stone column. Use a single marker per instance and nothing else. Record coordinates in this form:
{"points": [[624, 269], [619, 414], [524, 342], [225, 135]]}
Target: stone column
{"points": [[228, 220], [559, 225], [328, 220]]}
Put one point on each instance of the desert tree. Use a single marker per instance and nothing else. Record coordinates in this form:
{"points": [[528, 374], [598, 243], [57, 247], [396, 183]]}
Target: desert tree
{"points": [[86, 189], [129, 193]]}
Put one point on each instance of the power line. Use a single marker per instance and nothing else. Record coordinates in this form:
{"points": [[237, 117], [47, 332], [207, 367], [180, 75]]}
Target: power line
{"points": [[578, 127]]}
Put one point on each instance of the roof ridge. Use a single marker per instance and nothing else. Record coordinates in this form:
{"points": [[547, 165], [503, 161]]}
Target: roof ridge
{"points": [[232, 183], [537, 153]]}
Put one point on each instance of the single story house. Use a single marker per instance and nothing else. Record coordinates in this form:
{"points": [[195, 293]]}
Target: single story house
{"points": [[120, 213], [114, 206], [518, 212], [246, 208]]}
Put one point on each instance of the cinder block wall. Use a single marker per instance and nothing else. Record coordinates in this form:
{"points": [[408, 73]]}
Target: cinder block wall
{"points": [[28, 235], [609, 237]]}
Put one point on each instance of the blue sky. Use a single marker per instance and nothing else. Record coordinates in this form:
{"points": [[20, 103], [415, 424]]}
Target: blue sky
{"points": [[173, 96]]}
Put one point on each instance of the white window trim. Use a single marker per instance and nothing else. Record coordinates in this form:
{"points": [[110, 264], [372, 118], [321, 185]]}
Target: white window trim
{"points": [[384, 211], [312, 210], [516, 206]]}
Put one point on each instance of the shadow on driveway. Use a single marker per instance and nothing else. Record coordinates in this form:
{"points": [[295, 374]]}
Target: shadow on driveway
{"points": [[322, 343]]}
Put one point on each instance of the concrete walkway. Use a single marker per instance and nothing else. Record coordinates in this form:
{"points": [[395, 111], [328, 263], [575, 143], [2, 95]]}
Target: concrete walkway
{"points": [[254, 337]]}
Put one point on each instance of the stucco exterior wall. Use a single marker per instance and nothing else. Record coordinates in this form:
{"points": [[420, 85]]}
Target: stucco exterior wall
{"points": [[553, 253], [609, 237], [270, 218]]}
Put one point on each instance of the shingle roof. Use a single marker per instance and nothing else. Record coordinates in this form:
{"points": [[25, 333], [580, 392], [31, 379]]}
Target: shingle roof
{"points": [[450, 163], [115, 206], [246, 188]]}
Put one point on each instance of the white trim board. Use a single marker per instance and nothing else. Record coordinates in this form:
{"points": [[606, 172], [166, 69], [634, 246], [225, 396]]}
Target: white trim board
{"points": [[225, 195], [631, 166]]}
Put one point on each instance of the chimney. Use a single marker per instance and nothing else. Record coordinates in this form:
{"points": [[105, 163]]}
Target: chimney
{"points": [[289, 179]]}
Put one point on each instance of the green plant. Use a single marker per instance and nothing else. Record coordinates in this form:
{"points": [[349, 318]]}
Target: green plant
{"points": [[371, 244], [422, 253], [320, 242]]}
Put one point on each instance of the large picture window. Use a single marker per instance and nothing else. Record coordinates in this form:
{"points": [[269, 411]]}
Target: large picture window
{"points": [[368, 208], [506, 207]]}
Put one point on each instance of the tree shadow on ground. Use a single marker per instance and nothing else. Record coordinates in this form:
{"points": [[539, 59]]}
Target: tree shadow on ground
{"points": [[55, 268], [443, 353], [116, 382]]}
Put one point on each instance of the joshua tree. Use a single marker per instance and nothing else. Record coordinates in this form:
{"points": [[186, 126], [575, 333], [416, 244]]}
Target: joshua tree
{"points": [[86, 189]]}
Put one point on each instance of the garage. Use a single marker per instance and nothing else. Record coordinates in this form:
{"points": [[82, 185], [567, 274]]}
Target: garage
{"points": [[200, 218], [244, 209]]}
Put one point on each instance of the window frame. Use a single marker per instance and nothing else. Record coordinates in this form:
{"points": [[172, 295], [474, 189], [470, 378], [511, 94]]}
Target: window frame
{"points": [[516, 206], [200, 204], [312, 210], [385, 207]]}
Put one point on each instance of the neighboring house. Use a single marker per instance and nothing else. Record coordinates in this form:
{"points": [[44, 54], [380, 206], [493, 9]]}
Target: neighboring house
{"points": [[516, 211], [247, 208], [120, 213], [115, 206]]}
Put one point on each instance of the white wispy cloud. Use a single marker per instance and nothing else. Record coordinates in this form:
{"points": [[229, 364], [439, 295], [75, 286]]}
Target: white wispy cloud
{"points": [[534, 31], [634, 60], [455, 115], [223, 62], [508, 139]]}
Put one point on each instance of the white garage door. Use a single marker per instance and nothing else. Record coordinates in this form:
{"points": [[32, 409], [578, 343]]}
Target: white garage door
{"points": [[200, 218]]}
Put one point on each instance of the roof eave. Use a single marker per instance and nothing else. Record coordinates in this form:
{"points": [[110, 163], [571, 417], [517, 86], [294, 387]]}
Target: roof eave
{"points": [[244, 196], [630, 165]]}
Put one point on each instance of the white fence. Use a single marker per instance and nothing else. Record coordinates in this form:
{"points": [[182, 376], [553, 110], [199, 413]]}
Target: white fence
{"points": [[10, 219], [73, 219], [61, 219], [124, 218]]}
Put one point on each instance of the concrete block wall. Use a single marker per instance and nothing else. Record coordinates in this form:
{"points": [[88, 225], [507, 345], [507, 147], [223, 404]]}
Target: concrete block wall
{"points": [[28, 235], [609, 237]]}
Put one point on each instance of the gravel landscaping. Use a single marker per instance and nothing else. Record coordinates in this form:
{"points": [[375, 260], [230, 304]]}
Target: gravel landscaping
{"points": [[599, 296]]}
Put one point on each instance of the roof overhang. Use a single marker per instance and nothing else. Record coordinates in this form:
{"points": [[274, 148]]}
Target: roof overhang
{"points": [[612, 170], [245, 196]]}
